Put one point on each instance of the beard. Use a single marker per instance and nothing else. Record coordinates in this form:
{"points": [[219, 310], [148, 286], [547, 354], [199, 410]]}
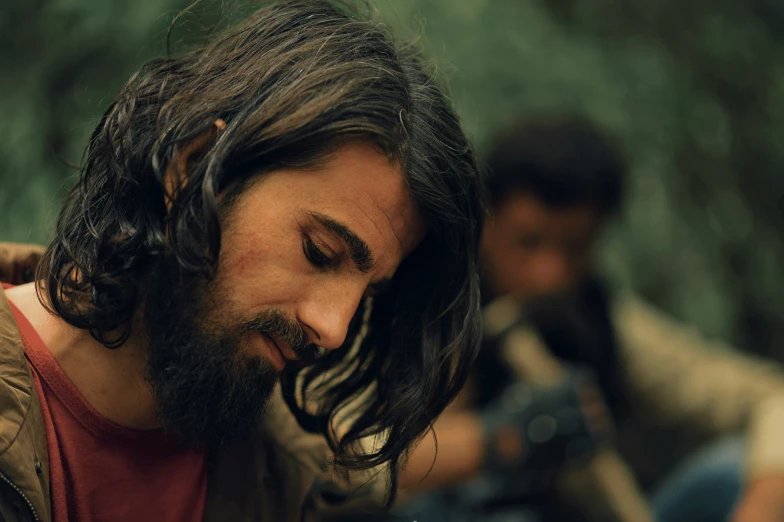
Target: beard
{"points": [[210, 391]]}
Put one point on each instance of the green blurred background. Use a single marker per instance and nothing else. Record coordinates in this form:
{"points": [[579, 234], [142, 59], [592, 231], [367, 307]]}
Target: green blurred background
{"points": [[694, 90]]}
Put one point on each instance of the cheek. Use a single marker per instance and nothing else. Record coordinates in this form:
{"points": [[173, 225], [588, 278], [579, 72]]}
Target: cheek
{"points": [[254, 274]]}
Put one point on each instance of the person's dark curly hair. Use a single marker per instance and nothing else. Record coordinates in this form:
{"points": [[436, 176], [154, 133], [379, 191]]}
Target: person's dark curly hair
{"points": [[564, 160], [292, 82]]}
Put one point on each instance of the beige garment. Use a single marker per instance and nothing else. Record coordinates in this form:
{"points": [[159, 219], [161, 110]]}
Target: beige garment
{"points": [[683, 390]]}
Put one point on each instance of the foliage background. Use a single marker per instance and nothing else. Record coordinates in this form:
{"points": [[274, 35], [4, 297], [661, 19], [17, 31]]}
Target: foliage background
{"points": [[694, 90]]}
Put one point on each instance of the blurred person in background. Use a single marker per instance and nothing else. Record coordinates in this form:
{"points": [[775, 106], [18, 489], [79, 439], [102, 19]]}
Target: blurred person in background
{"points": [[245, 210], [693, 420]]}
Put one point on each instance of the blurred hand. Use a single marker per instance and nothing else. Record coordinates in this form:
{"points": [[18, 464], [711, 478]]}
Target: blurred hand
{"points": [[18, 262], [763, 501], [594, 408], [533, 430]]}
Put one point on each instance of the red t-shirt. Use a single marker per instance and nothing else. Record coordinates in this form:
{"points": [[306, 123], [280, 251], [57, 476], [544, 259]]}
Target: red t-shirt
{"points": [[103, 472]]}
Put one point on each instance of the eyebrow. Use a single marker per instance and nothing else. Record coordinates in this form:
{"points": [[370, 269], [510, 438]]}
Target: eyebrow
{"points": [[358, 250]]}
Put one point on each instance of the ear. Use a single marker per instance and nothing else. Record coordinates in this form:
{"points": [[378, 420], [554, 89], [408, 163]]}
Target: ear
{"points": [[175, 176]]}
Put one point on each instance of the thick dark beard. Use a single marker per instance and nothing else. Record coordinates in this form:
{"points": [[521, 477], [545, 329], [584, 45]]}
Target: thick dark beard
{"points": [[208, 392]]}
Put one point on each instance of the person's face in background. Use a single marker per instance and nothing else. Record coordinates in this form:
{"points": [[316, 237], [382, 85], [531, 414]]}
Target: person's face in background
{"points": [[530, 249]]}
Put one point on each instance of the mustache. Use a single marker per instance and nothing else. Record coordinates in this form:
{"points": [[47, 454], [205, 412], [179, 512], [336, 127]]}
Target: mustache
{"points": [[284, 329]]}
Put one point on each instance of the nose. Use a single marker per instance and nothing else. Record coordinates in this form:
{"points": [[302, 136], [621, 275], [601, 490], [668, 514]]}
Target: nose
{"points": [[550, 272], [327, 314]]}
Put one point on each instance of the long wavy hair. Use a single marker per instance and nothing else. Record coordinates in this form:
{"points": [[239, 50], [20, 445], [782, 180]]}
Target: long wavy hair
{"points": [[292, 82]]}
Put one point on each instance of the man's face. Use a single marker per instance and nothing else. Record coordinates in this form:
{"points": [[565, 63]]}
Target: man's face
{"points": [[300, 249], [530, 249]]}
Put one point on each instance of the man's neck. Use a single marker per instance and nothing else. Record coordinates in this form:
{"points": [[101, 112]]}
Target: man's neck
{"points": [[111, 381]]}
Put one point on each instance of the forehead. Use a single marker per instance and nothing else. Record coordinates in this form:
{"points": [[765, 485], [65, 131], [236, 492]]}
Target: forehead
{"points": [[523, 212], [358, 186]]}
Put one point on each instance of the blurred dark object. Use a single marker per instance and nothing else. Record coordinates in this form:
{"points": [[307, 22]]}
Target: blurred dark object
{"points": [[548, 429]]}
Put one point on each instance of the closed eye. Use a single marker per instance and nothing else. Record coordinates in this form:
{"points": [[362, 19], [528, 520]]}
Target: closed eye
{"points": [[314, 254]]}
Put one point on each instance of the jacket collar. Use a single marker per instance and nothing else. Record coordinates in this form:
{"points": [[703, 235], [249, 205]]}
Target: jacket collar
{"points": [[24, 459]]}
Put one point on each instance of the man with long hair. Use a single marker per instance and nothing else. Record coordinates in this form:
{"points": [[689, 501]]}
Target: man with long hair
{"points": [[293, 202]]}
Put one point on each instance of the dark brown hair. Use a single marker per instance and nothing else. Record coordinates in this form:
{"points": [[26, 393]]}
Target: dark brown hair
{"points": [[564, 160], [291, 82]]}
